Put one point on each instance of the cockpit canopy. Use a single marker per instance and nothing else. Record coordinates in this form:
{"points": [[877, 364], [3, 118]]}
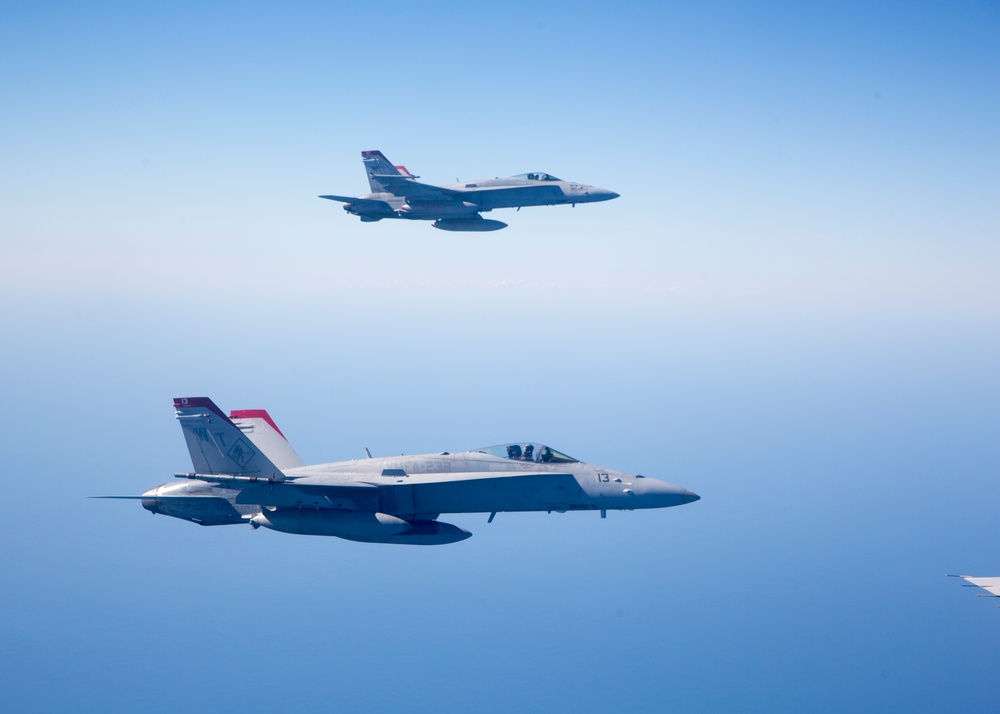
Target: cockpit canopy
{"points": [[538, 453], [538, 176]]}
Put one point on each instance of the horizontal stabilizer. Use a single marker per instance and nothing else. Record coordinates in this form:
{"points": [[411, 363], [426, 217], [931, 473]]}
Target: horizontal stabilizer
{"points": [[365, 202], [158, 497]]}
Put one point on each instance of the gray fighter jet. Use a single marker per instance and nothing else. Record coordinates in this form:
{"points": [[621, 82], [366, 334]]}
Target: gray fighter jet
{"points": [[245, 471], [396, 193]]}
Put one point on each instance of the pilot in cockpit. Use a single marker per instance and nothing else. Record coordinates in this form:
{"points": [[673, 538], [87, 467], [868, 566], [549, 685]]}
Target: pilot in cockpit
{"points": [[545, 455], [513, 451], [529, 452]]}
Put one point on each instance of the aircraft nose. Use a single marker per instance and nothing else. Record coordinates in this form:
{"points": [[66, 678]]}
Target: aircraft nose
{"points": [[603, 194], [661, 494]]}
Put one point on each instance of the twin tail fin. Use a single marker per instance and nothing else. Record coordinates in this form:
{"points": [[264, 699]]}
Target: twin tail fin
{"points": [[219, 446], [377, 167]]}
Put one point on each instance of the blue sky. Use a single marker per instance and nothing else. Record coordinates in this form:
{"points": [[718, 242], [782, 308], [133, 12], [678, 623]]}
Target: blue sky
{"points": [[792, 310]]}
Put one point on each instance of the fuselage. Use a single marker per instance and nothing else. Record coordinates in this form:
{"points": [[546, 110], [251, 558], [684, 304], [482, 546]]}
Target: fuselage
{"points": [[570, 486], [533, 189], [474, 197], [421, 487]]}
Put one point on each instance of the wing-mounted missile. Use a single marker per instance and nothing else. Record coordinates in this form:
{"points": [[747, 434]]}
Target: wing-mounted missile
{"points": [[363, 526], [431, 208]]}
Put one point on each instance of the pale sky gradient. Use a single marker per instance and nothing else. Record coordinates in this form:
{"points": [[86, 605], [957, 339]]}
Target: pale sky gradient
{"points": [[793, 310]]}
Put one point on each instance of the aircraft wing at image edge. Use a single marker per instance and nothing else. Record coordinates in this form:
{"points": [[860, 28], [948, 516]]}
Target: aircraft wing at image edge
{"points": [[245, 471], [396, 193], [990, 585]]}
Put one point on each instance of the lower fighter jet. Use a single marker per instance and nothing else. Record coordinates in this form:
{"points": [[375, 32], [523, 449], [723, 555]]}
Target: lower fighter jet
{"points": [[396, 193], [245, 471]]}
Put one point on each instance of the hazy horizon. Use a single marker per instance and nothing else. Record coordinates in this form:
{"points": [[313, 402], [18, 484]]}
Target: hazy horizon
{"points": [[792, 310]]}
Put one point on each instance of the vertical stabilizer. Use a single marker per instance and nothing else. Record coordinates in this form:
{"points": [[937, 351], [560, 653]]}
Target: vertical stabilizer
{"points": [[217, 445], [377, 165], [257, 425]]}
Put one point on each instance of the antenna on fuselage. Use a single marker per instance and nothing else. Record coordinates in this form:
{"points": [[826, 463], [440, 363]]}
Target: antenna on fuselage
{"points": [[368, 453]]}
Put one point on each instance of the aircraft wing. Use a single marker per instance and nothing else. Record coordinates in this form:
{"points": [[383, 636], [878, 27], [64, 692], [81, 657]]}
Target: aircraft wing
{"points": [[990, 585], [300, 492], [360, 497], [408, 188], [461, 492]]}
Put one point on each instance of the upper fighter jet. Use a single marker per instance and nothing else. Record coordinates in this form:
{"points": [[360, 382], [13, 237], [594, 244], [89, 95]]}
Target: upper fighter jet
{"points": [[245, 471], [396, 193]]}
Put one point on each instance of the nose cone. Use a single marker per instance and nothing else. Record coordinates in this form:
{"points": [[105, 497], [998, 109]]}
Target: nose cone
{"points": [[660, 494], [602, 194]]}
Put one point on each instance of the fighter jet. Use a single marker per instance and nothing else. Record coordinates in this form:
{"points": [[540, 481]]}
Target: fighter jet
{"points": [[245, 471], [396, 193]]}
